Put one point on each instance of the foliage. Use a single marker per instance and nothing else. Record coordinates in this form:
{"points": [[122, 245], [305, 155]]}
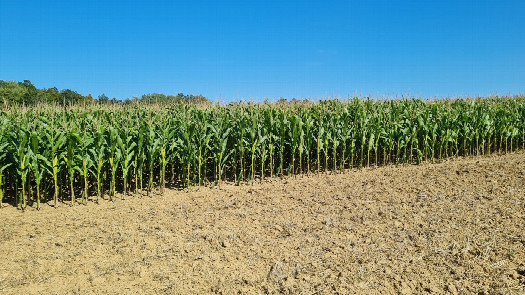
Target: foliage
{"points": [[26, 94], [50, 153]]}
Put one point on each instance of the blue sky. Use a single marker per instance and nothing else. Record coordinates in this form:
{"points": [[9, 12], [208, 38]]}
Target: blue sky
{"points": [[233, 50]]}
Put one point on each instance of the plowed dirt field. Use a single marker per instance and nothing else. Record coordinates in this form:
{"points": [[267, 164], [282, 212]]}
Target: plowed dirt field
{"points": [[456, 227]]}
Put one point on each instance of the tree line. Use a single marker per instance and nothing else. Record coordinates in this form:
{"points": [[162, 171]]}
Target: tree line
{"points": [[13, 93]]}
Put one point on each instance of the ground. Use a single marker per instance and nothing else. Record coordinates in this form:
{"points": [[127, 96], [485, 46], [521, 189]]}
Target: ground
{"points": [[456, 227]]}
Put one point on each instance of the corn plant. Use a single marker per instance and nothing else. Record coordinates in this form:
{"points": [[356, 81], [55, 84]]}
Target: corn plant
{"points": [[152, 151], [220, 138], [70, 160], [126, 146], [20, 142], [55, 141], [98, 151], [83, 156], [115, 155], [3, 167], [38, 164]]}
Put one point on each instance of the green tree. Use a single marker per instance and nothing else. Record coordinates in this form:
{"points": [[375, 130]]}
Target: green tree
{"points": [[12, 92]]}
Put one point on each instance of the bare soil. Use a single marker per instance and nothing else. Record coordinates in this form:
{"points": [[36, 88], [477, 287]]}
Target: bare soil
{"points": [[456, 227]]}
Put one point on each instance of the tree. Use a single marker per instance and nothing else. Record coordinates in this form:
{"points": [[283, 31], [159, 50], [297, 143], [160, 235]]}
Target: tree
{"points": [[12, 92], [103, 98], [51, 95], [25, 93], [154, 98], [70, 97]]}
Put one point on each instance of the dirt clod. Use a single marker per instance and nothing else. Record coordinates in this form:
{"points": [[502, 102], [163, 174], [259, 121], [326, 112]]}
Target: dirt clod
{"points": [[452, 289]]}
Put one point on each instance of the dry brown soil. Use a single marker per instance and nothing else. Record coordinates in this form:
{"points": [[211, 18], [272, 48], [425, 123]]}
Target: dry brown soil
{"points": [[456, 227]]}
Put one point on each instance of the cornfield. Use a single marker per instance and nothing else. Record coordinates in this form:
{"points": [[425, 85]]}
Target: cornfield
{"points": [[53, 154]]}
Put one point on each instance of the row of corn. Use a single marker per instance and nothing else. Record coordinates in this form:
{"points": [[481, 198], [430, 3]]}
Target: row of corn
{"points": [[51, 154]]}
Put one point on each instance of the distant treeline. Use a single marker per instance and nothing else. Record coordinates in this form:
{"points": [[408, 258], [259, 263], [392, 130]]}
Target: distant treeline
{"points": [[25, 93]]}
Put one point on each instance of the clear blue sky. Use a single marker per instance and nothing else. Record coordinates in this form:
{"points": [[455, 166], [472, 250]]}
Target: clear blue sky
{"points": [[258, 49]]}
